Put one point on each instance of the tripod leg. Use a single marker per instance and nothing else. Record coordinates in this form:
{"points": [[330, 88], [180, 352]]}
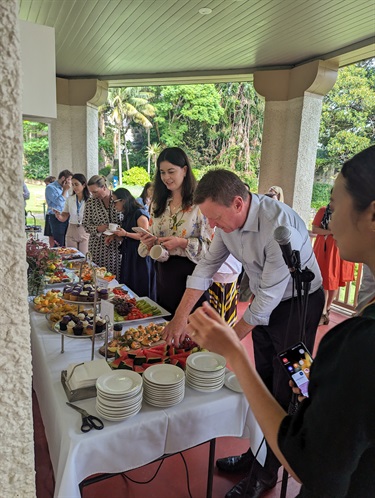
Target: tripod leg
{"points": [[284, 484]]}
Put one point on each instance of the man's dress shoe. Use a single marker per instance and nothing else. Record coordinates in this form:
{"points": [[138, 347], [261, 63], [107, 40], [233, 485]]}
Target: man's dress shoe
{"points": [[234, 464], [251, 487]]}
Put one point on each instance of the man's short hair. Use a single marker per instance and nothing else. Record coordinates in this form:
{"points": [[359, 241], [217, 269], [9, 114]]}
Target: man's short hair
{"points": [[221, 186], [66, 173]]}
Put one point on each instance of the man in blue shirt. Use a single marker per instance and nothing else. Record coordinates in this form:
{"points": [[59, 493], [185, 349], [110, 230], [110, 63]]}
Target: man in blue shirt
{"points": [[56, 194], [245, 225]]}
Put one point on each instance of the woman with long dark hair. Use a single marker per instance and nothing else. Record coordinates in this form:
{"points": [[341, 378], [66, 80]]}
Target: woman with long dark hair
{"points": [[76, 235], [135, 272], [177, 224]]}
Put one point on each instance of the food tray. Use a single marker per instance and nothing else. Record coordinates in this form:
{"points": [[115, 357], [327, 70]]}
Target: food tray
{"points": [[56, 328], [72, 279], [163, 312], [68, 253]]}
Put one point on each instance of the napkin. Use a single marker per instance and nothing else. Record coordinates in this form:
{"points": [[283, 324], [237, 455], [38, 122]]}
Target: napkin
{"points": [[86, 374]]}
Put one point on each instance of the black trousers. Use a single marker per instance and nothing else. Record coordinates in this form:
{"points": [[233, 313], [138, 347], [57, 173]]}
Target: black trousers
{"points": [[283, 331], [171, 282]]}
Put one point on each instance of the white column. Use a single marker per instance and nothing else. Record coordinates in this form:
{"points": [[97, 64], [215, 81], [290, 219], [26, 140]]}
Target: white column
{"points": [[17, 446], [291, 129], [74, 134]]}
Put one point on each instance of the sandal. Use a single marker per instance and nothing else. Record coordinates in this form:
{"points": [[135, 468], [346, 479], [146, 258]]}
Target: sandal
{"points": [[324, 319]]}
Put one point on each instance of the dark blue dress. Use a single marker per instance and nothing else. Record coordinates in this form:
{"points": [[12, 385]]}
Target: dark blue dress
{"points": [[136, 272]]}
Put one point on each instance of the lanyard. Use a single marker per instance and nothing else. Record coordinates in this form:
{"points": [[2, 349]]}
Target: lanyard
{"points": [[79, 205]]}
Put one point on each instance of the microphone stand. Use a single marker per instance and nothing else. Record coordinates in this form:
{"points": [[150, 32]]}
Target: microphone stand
{"points": [[302, 282]]}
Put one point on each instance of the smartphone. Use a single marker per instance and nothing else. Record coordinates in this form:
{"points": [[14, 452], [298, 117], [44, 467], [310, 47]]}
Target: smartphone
{"points": [[297, 362], [142, 230]]}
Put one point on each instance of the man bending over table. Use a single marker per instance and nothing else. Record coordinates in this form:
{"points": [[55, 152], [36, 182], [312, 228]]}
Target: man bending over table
{"points": [[245, 225]]}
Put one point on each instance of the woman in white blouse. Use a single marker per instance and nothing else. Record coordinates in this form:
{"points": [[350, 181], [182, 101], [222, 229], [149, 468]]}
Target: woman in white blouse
{"points": [[76, 235], [176, 224]]}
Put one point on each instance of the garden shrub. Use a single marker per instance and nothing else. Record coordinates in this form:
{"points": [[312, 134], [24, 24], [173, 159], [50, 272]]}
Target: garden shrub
{"points": [[135, 176]]}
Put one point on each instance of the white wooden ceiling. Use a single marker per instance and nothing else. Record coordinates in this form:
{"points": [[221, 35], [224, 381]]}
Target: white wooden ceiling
{"points": [[170, 41]]}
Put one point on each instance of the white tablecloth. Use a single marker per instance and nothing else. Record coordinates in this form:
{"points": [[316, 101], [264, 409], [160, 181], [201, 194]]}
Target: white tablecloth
{"points": [[134, 442]]}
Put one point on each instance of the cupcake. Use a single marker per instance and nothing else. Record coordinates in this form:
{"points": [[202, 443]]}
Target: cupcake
{"points": [[89, 329], [83, 296], [91, 297], [100, 324], [81, 315], [85, 323], [64, 323], [78, 329], [70, 326], [103, 294], [74, 296], [67, 291]]}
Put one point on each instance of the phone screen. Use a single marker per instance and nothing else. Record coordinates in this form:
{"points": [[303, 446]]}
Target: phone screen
{"points": [[141, 230], [297, 362]]}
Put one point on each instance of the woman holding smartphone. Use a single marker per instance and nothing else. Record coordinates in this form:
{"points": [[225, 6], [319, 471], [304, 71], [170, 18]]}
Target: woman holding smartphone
{"points": [[76, 236], [329, 444], [135, 272], [177, 225]]}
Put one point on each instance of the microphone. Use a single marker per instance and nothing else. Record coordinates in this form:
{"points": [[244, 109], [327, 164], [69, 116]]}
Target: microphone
{"points": [[282, 235]]}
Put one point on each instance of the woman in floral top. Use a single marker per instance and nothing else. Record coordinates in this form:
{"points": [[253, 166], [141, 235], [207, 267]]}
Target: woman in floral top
{"points": [[176, 224]]}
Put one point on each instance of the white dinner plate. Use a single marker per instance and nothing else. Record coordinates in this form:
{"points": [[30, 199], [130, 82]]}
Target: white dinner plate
{"points": [[119, 382], [206, 361], [232, 383], [164, 374]]}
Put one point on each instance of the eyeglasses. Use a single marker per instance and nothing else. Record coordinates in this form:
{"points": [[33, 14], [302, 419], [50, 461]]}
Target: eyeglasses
{"points": [[116, 200]]}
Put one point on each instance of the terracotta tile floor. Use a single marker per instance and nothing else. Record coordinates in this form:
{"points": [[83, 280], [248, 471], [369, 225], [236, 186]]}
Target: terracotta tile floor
{"points": [[171, 480]]}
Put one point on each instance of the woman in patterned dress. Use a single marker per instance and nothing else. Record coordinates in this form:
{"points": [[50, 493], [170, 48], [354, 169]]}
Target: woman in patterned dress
{"points": [[178, 225], [100, 210]]}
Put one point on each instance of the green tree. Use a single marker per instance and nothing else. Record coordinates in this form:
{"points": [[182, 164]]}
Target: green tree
{"points": [[185, 115], [348, 116], [36, 158], [125, 106]]}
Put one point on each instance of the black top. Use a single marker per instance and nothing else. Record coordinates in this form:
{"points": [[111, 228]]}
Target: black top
{"points": [[330, 442]]}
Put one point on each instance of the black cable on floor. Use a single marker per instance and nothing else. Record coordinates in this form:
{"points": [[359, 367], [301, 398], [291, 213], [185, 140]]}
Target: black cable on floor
{"points": [[124, 476], [187, 474]]}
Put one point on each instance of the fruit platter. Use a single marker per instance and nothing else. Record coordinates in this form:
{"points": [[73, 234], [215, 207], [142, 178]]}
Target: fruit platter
{"points": [[143, 357], [45, 303], [128, 309], [58, 276]]}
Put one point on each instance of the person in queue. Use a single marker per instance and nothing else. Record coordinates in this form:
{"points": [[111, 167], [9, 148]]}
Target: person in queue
{"points": [[47, 226], [56, 194], [146, 195], [329, 444], [136, 272], [76, 235], [245, 225], [100, 211], [276, 193], [177, 224], [335, 270]]}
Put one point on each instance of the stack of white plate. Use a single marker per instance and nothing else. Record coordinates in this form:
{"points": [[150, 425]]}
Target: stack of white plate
{"points": [[119, 394], [205, 371], [164, 385]]}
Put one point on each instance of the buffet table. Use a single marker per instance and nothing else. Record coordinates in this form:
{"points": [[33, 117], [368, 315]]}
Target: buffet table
{"points": [[131, 443]]}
